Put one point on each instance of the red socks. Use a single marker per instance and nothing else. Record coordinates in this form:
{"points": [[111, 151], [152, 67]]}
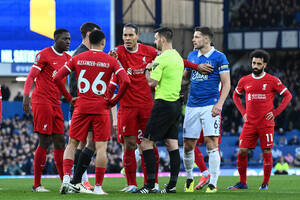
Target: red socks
{"points": [[58, 159], [129, 163], [99, 171], [39, 164], [67, 166], [242, 164], [199, 159], [268, 165]]}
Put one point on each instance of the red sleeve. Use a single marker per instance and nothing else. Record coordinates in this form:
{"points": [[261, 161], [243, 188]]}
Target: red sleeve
{"points": [[58, 79], [287, 97], [123, 80], [112, 85], [237, 97], [238, 103], [34, 72], [188, 64]]}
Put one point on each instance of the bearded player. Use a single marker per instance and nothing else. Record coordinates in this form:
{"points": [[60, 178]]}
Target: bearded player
{"points": [[259, 114]]}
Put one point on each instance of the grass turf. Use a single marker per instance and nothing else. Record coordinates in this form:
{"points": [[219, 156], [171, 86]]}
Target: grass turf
{"points": [[281, 187]]}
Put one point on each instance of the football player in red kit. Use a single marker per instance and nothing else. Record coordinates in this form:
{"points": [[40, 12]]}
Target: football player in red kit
{"points": [[45, 101], [93, 70], [260, 89], [136, 105]]}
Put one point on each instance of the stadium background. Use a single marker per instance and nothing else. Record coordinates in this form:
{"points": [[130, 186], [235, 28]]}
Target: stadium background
{"points": [[239, 25]]}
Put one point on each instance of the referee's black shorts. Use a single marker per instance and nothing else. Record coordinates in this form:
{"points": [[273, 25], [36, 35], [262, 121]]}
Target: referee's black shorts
{"points": [[164, 120]]}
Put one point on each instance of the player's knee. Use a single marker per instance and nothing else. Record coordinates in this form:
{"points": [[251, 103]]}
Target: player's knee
{"points": [[130, 144], [81, 145], [188, 147], [91, 145], [267, 150], [45, 141], [211, 145], [243, 151]]}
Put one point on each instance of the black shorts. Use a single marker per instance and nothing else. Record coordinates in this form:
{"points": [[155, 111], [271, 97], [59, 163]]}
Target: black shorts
{"points": [[164, 120]]}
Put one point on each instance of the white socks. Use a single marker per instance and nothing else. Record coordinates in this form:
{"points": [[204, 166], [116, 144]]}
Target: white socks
{"points": [[214, 166], [205, 173], [66, 179], [137, 156], [188, 160], [84, 177]]}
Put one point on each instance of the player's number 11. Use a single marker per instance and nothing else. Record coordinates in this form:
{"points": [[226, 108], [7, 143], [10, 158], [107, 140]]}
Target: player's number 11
{"points": [[269, 137]]}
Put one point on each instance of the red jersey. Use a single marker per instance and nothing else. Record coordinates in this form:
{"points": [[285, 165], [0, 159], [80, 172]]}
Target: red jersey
{"points": [[93, 70], [135, 62], [259, 94], [48, 61]]}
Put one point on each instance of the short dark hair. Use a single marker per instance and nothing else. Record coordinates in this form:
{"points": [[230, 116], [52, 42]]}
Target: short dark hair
{"points": [[205, 31], [166, 32], [60, 31], [88, 27], [96, 36], [260, 53], [130, 25]]}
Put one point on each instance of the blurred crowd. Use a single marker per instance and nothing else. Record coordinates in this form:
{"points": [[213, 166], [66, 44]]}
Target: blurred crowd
{"points": [[264, 13], [18, 144]]}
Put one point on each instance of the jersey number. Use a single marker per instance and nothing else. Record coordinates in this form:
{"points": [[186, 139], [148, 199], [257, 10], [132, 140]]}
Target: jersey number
{"points": [[269, 137], [87, 84]]}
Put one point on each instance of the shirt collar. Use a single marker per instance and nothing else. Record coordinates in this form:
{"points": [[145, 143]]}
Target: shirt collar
{"points": [[95, 50], [208, 53], [259, 77], [60, 54], [137, 48]]}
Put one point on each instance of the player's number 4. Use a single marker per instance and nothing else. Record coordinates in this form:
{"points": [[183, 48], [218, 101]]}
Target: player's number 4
{"points": [[87, 84]]}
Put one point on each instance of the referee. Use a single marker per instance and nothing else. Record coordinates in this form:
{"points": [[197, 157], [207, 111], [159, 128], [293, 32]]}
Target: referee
{"points": [[165, 74]]}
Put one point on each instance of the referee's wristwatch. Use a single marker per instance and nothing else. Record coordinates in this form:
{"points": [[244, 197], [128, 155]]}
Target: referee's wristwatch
{"points": [[147, 69]]}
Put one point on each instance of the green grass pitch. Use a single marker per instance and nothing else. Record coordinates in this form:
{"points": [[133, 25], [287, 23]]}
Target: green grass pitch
{"points": [[281, 187]]}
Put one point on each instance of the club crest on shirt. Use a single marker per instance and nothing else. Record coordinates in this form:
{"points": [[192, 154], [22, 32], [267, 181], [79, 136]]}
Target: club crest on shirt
{"points": [[264, 87], [144, 60]]}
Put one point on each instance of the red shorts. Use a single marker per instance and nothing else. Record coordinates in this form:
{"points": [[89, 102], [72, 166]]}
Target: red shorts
{"points": [[48, 119], [133, 121], [250, 135], [201, 139], [80, 124]]}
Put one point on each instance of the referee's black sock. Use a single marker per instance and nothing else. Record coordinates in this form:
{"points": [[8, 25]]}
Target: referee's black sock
{"points": [[149, 157], [82, 165], [77, 153], [174, 167]]}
